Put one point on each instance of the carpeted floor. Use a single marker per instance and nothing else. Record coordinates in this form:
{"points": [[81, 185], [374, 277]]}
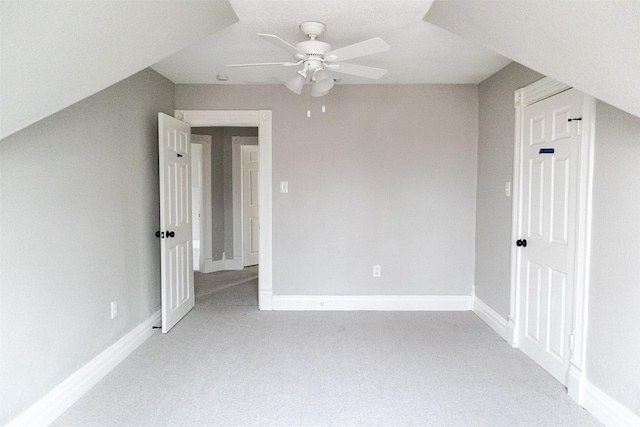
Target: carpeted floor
{"points": [[228, 364], [206, 284]]}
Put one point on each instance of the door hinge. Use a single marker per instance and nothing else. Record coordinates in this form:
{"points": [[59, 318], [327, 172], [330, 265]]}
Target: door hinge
{"points": [[577, 119], [571, 342]]}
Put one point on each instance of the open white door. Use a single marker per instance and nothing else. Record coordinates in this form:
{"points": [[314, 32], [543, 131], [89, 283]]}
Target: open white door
{"points": [[175, 220], [250, 204]]}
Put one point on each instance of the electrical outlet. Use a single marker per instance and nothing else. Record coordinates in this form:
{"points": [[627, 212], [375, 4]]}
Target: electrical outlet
{"points": [[114, 309], [376, 271]]}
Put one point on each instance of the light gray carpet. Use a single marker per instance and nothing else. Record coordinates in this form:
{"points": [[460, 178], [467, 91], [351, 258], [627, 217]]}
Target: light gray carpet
{"points": [[206, 284], [228, 364]]}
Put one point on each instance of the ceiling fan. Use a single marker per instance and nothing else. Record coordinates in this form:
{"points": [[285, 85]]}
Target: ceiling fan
{"points": [[316, 58]]}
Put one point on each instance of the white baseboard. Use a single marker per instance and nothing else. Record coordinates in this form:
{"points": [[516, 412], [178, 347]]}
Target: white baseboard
{"points": [[575, 381], [490, 317], [371, 302], [58, 400], [211, 266], [233, 264], [606, 409], [266, 299]]}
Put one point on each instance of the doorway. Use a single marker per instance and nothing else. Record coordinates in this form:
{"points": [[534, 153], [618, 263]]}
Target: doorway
{"points": [[261, 119], [201, 218]]}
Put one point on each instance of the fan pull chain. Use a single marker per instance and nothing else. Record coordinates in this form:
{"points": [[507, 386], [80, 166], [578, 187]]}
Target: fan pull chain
{"points": [[309, 101]]}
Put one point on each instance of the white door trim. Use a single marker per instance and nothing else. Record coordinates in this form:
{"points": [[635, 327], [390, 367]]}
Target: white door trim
{"points": [[236, 179], [535, 92], [206, 239], [262, 119]]}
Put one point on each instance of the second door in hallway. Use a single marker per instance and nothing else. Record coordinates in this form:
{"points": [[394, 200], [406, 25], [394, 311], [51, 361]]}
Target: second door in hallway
{"points": [[250, 203]]}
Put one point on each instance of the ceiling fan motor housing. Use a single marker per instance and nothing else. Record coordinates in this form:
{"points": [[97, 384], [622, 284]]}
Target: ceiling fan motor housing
{"points": [[314, 53]]}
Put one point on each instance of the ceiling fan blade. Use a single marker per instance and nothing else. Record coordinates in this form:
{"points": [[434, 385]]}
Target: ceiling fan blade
{"points": [[282, 44], [286, 64], [367, 47], [357, 70]]}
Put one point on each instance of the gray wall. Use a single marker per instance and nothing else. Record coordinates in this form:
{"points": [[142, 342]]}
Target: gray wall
{"points": [[613, 344], [79, 209], [386, 176], [495, 168]]}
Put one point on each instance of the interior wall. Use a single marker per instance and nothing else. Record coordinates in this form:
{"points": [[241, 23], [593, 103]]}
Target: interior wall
{"points": [[80, 207], [386, 176], [613, 342], [496, 127]]}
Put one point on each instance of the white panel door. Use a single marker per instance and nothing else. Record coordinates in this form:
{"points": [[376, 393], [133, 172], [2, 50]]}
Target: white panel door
{"points": [[175, 220], [196, 200], [250, 203], [547, 244]]}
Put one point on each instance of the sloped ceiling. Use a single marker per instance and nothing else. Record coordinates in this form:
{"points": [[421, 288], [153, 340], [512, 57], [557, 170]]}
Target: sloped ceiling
{"points": [[420, 52], [592, 45], [55, 53]]}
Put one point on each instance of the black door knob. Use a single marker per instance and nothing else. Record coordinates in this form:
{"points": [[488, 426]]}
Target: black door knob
{"points": [[160, 234], [522, 243], [172, 234]]}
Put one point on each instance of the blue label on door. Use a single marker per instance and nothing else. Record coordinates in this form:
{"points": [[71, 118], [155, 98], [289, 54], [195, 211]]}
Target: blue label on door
{"points": [[547, 150]]}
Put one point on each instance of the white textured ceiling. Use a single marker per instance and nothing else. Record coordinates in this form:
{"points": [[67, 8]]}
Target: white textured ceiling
{"points": [[420, 52], [592, 45]]}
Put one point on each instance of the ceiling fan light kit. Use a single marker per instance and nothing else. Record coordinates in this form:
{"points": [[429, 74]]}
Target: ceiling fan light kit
{"points": [[316, 92], [296, 83], [322, 81], [317, 58]]}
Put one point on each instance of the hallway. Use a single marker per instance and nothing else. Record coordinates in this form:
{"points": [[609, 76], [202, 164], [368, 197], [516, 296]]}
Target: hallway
{"points": [[206, 284]]}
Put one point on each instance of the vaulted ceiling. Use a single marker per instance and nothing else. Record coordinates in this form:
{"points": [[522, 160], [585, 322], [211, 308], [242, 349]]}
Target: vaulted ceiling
{"points": [[420, 52], [592, 45], [53, 54]]}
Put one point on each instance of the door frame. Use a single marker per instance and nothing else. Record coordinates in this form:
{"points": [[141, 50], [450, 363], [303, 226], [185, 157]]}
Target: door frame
{"points": [[262, 119], [236, 183], [523, 97], [206, 240]]}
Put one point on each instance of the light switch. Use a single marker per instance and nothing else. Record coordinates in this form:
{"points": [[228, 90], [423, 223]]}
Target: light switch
{"points": [[507, 189], [284, 186]]}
